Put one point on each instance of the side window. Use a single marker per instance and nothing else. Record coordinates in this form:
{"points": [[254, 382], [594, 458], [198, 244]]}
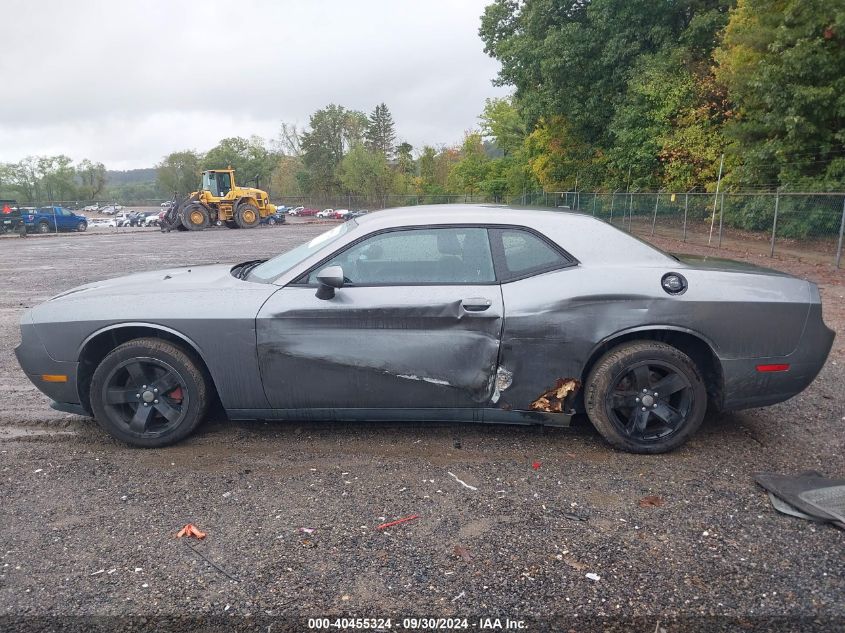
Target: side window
{"points": [[418, 256], [521, 254]]}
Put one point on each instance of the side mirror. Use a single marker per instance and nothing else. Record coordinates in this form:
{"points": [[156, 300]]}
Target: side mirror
{"points": [[329, 279]]}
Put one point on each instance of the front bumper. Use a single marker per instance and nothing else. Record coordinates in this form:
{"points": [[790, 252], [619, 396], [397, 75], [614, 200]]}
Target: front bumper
{"points": [[36, 363]]}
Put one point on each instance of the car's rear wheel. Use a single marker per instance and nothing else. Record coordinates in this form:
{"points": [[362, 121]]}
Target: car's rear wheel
{"points": [[645, 397], [149, 393]]}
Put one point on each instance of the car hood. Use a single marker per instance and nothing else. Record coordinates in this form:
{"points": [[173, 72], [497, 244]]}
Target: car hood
{"points": [[171, 280], [706, 262]]}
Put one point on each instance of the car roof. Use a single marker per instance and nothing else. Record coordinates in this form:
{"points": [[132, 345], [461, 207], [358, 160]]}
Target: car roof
{"points": [[588, 239]]}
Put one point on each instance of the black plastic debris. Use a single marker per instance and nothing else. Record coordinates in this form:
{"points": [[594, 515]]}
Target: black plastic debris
{"points": [[808, 495]]}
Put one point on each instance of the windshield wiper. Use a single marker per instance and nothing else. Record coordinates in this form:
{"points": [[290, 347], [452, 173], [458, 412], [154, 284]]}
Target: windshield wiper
{"points": [[244, 269]]}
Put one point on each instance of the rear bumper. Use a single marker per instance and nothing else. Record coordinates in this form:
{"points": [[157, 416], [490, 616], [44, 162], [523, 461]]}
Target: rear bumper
{"points": [[37, 363], [746, 387]]}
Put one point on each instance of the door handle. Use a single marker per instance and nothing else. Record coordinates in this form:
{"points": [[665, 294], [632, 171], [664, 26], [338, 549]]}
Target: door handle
{"points": [[476, 304]]}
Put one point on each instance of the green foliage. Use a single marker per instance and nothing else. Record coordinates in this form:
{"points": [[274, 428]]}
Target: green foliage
{"points": [[380, 133], [252, 161], [470, 170], [502, 121], [179, 172], [334, 129], [287, 177], [365, 172], [783, 63]]}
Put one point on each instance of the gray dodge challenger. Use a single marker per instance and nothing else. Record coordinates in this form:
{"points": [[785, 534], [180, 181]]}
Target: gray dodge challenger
{"points": [[446, 313]]}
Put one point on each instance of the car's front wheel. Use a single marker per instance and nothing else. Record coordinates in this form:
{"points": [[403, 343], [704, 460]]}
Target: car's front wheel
{"points": [[81, 227], [645, 397], [149, 393]]}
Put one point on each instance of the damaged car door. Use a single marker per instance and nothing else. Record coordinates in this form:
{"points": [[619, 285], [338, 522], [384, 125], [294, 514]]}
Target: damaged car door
{"points": [[406, 318]]}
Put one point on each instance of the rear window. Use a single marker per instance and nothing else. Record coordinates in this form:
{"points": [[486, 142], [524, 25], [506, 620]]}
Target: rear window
{"points": [[521, 253]]}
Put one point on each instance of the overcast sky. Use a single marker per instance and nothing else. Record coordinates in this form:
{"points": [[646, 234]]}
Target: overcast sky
{"points": [[126, 82]]}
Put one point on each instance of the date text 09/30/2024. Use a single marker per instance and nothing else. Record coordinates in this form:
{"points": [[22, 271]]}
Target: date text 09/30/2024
{"points": [[416, 624]]}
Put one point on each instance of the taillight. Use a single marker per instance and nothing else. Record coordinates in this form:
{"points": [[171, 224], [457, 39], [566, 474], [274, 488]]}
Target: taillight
{"points": [[774, 367]]}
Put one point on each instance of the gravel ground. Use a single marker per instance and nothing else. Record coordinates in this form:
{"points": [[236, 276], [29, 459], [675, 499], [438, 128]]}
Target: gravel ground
{"points": [[87, 525]]}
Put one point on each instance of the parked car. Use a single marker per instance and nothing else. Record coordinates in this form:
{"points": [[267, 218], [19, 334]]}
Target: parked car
{"points": [[435, 313], [340, 214], [356, 214], [151, 219], [277, 218], [111, 209], [296, 210], [10, 217], [308, 212], [325, 213], [101, 223], [93, 208], [49, 219]]}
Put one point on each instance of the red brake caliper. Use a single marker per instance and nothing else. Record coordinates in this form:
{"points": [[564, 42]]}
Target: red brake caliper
{"points": [[176, 394]]}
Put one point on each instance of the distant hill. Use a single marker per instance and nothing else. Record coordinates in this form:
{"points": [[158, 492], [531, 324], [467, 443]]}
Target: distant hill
{"points": [[130, 176]]}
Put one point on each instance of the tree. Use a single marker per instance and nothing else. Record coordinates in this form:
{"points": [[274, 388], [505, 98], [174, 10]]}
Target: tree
{"points": [[470, 170], [252, 161], [179, 172], [502, 121], [783, 63], [57, 177], [333, 130], [405, 159], [572, 58], [365, 172], [290, 140], [286, 179], [381, 135]]}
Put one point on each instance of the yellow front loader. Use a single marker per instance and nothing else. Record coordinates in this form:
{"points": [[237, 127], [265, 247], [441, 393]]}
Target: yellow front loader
{"points": [[219, 200]]}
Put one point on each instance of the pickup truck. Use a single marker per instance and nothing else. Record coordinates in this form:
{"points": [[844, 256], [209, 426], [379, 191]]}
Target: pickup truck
{"points": [[49, 219]]}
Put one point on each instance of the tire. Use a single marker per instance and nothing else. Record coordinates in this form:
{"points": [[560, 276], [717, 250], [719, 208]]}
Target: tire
{"points": [[81, 227], [247, 216], [231, 224], [271, 222], [622, 384], [123, 384], [43, 227], [195, 217]]}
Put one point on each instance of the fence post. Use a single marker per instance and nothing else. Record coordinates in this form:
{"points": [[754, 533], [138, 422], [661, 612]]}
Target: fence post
{"points": [[721, 217], [612, 199], [686, 210], [775, 222], [841, 231], [654, 219], [716, 199], [595, 195]]}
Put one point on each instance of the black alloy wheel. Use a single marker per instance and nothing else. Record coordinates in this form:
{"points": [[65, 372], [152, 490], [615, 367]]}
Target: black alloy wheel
{"points": [[149, 392], [645, 397]]}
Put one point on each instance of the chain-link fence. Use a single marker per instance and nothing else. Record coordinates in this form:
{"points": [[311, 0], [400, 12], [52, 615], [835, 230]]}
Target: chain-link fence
{"points": [[805, 226]]}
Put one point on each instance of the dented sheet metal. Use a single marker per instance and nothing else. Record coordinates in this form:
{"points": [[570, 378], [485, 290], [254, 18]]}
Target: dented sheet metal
{"points": [[379, 347]]}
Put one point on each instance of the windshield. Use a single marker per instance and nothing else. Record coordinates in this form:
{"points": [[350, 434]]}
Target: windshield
{"points": [[272, 268]]}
